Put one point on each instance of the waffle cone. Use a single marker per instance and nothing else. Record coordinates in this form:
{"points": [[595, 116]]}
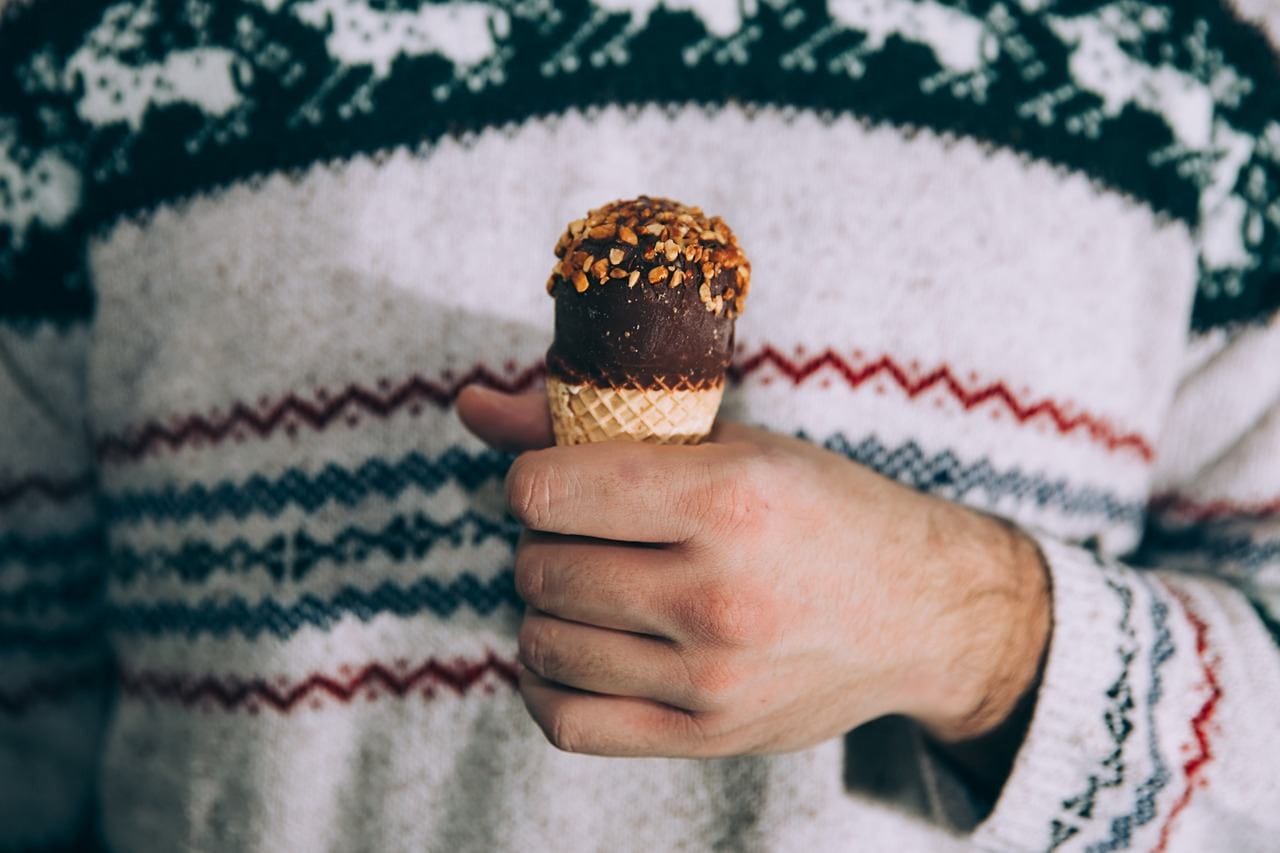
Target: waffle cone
{"points": [[586, 413]]}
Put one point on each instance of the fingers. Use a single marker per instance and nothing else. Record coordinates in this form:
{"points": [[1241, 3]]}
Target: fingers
{"points": [[626, 490], [622, 726], [506, 421], [609, 662], [614, 585]]}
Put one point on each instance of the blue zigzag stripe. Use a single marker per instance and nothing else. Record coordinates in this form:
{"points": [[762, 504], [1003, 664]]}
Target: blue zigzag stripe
{"points": [[1217, 550], [70, 591], [77, 638], [293, 556], [1268, 621], [1116, 719], [237, 616], [57, 549], [333, 484], [942, 473], [946, 475], [1250, 554], [1144, 806]]}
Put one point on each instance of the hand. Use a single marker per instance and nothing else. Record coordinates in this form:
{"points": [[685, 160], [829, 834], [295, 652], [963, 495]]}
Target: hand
{"points": [[753, 594]]}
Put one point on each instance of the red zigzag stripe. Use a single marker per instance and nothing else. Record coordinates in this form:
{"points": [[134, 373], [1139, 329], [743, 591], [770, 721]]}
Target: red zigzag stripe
{"points": [[369, 682], [1216, 510], [293, 411], [1195, 765]]}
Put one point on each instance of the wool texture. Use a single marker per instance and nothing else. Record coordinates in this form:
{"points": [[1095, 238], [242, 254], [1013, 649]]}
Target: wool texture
{"points": [[256, 585]]}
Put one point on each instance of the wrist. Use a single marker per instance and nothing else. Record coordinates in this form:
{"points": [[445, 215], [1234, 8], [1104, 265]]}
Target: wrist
{"points": [[991, 643]]}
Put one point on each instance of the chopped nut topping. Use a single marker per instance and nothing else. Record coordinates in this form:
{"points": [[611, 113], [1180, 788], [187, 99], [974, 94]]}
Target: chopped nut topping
{"points": [[665, 241]]}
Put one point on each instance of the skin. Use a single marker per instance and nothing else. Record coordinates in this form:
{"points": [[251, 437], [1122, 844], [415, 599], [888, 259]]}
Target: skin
{"points": [[757, 594]]}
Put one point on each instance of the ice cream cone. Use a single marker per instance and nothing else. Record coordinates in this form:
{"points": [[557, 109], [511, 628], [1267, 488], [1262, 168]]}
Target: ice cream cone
{"points": [[646, 293], [585, 412]]}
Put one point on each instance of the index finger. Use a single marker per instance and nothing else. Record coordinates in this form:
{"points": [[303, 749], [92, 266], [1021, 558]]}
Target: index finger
{"points": [[620, 490]]}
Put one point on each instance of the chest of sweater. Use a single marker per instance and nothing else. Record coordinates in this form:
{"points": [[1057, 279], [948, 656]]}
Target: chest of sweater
{"points": [[968, 321], [298, 524]]}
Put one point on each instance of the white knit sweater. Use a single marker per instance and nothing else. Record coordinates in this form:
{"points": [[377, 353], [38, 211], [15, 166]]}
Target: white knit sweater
{"points": [[255, 585]]}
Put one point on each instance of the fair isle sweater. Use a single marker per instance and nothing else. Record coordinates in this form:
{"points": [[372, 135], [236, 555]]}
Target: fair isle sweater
{"points": [[255, 579]]}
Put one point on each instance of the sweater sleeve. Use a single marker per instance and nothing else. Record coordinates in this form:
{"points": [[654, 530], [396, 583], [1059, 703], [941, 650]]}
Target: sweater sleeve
{"points": [[1155, 726], [53, 663]]}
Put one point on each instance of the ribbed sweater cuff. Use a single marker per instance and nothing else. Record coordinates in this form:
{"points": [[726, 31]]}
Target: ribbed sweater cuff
{"points": [[1091, 619]]}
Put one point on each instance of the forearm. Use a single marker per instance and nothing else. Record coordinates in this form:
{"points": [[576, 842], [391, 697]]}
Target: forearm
{"points": [[1148, 727], [1010, 614]]}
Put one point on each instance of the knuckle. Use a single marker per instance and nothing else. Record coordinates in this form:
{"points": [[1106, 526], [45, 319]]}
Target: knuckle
{"points": [[721, 615], [531, 576], [737, 496], [715, 681], [531, 485], [534, 648], [764, 471], [698, 733], [563, 733], [698, 502]]}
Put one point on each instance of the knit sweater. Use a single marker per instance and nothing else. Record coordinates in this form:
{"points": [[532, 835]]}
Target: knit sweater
{"points": [[255, 579]]}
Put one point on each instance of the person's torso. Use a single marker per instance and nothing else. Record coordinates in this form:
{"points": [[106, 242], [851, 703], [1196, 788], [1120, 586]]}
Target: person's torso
{"points": [[971, 231]]}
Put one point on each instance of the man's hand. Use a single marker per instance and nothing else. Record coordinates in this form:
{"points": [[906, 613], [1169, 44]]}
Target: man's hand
{"points": [[753, 594]]}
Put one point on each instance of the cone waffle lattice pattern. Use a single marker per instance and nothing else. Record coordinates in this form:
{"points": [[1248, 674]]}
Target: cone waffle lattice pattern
{"points": [[584, 413]]}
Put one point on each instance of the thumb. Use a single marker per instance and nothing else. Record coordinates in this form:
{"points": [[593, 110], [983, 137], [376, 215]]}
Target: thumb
{"points": [[515, 422]]}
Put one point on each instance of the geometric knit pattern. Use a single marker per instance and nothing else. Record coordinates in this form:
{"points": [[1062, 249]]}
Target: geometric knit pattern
{"points": [[1174, 104], [320, 409], [942, 472], [296, 555], [235, 615], [394, 679], [257, 583]]}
